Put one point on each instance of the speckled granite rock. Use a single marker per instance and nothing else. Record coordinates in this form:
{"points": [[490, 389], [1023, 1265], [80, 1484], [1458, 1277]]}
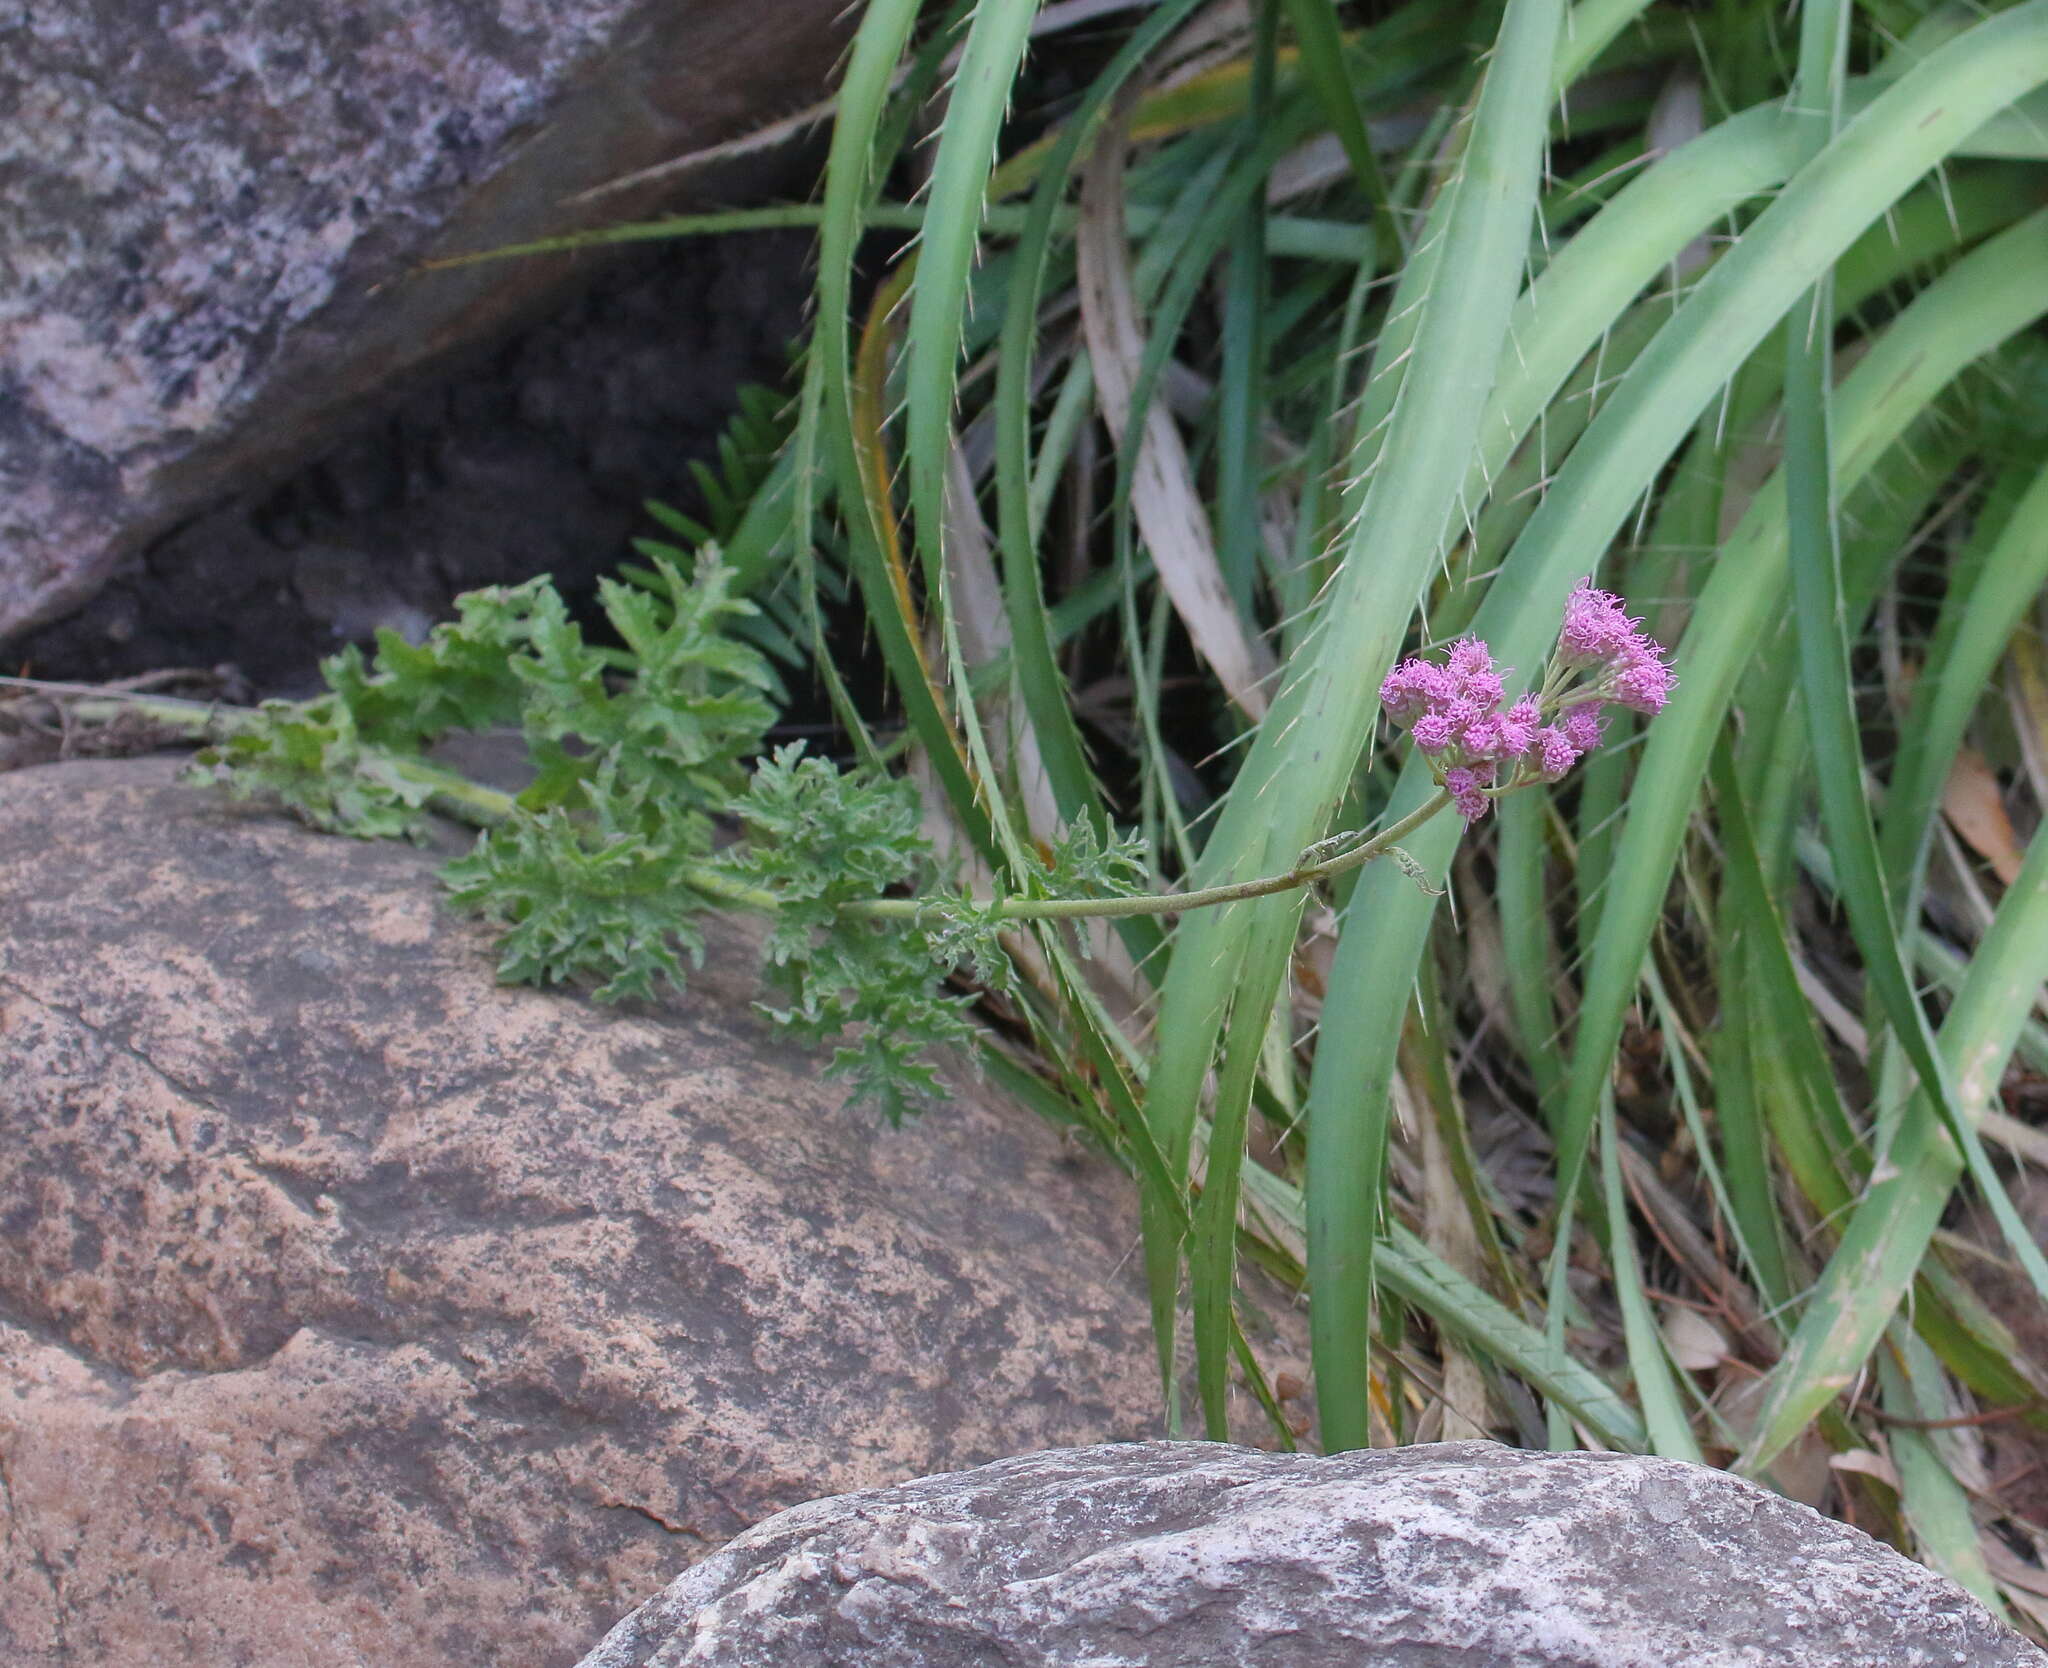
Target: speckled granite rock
{"points": [[1191, 1555], [214, 214], [355, 1311]]}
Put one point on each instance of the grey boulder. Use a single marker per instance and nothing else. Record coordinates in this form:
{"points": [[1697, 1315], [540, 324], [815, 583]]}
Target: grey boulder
{"points": [[215, 220], [1196, 1555]]}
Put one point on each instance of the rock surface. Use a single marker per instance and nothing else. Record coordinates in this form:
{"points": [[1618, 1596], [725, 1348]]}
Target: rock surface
{"points": [[214, 216], [1192, 1555], [354, 1310]]}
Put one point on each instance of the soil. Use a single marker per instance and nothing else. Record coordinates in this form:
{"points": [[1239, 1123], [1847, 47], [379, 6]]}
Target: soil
{"points": [[533, 456]]}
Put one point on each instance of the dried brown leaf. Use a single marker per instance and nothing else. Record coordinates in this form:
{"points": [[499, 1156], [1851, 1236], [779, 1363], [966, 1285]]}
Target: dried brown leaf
{"points": [[1170, 513], [1975, 808]]}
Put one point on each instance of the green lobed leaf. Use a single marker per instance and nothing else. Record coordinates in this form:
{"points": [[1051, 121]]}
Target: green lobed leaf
{"points": [[602, 905], [819, 839], [310, 757]]}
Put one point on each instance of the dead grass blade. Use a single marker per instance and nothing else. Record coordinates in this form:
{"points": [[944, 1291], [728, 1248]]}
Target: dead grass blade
{"points": [[1170, 514]]}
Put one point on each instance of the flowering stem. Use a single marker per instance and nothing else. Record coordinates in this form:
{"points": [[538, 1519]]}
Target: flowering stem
{"points": [[455, 795], [1170, 903]]}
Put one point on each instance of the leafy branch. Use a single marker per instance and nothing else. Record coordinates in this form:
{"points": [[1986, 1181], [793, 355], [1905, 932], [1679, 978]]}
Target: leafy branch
{"points": [[598, 870]]}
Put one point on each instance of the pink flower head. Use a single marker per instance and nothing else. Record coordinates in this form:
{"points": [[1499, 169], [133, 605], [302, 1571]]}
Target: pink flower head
{"points": [[1480, 747], [1594, 626], [1582, 726], [1498, 738], [1482, 689], [1518, 726], [1434, 731], [1463, 714], [1554, 752], [1467, 790], [1414, 686], [1469, 659], [1489, 738], [1644, 682]]}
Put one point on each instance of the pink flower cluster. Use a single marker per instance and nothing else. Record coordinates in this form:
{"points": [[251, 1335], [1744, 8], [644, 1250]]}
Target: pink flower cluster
{"points": [[1627, 666], [1480, 747]]}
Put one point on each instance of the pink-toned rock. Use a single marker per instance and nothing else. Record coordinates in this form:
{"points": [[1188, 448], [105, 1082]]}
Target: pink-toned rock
{"points": [[354, 1310]]}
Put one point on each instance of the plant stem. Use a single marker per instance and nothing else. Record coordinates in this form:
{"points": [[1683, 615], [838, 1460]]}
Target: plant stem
{"points": [[1169, 903], [457, 796], [200, 719]]}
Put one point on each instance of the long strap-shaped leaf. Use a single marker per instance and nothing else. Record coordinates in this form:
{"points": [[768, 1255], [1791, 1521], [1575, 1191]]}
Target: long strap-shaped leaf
{"points": [[1322, 63], [1989, 296], [1939, 105], [947, 245], [1038, 673], [1418, 1276], [1937, 1508], [1212, 1258], [827, 407], [1583, 291], [1664, 1419], [1985, 298], [1842, 1325], [1883, 1244], [1310, 743], [1163, 492], [1904, 132], [1553, 326], [1980, 612], [1818, 616]]}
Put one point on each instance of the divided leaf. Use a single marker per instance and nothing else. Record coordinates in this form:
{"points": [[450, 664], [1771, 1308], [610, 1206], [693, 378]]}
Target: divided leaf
{"points": [[821, 839], [310, 756], [582, 902]]}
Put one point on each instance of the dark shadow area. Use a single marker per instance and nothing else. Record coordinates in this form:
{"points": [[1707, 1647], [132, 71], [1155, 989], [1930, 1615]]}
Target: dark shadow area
{"points": [[532, 456]]}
